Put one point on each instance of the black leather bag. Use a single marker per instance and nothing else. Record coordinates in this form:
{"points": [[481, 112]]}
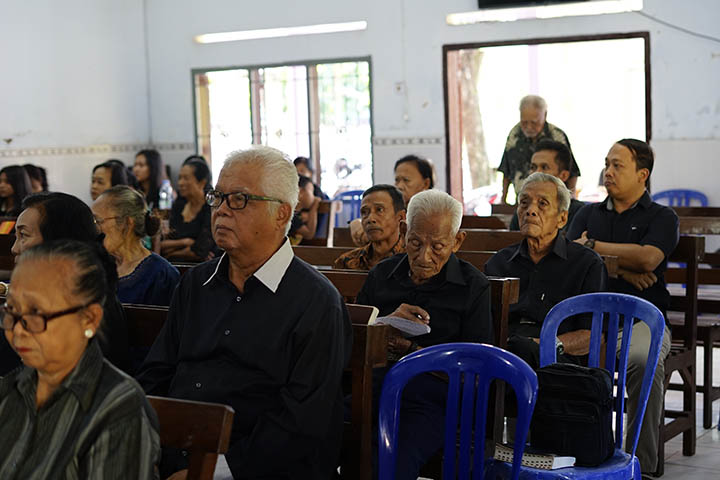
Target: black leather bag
{"points": [[573, 413]]}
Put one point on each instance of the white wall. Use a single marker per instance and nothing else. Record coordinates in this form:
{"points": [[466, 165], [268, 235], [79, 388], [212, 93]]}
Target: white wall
{"points": [[73, 76], [405, 38]]}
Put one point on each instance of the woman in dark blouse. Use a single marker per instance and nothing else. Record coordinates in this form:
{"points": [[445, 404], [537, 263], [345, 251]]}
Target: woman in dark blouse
{"points": [[52, 216], [148, 171], [67, 413], [190, 237], [14, 187], [145, 277]]}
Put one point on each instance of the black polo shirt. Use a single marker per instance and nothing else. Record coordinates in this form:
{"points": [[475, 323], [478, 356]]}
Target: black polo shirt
{"points": [[275, 355], [569, 269], [645, 223], [457, 299]]}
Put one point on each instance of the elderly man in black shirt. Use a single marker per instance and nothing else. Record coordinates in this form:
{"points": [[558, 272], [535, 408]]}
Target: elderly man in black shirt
{"points": [[429, 285], [259, 330], [550, 268], [642, 234]]}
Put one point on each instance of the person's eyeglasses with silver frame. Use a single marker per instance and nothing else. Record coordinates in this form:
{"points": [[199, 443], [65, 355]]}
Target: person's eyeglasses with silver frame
{"points": [[235, 200]]}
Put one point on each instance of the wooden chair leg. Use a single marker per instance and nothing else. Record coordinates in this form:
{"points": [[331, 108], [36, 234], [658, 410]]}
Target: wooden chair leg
{"points": [[705, 336], [689, 403]]}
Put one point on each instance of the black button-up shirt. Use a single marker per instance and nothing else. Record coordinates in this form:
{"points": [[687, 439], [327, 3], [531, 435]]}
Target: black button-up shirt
{"points": [[97, 424], [276, 357], [646, 223], [569, 269], [457, 299]]}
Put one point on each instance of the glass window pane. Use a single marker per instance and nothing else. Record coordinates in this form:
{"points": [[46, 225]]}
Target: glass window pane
{"points": [[284, 109], [230, 127], [345, 135]]}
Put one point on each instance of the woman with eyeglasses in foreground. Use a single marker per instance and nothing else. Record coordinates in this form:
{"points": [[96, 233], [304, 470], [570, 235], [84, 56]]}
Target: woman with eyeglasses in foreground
{"points": [[67, 412]]}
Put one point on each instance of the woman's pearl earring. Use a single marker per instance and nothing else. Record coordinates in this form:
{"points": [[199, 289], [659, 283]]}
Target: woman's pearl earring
{"points": [[89, 333]]}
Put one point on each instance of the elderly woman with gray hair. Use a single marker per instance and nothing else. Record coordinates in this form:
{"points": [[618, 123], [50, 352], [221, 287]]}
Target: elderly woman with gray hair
{"points": [[145, 277], [67, 412], [429, 285]]}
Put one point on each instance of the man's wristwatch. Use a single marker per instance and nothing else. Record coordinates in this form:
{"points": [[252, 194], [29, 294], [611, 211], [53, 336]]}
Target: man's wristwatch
{"points": [[590, 243], [559, 347]]}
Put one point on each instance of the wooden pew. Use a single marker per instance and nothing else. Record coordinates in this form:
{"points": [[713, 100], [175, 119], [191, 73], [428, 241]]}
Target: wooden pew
{"points": [[478, 239], [682, 356], [697, 211], [502, 209], [319, 256], [342, 237], [700, 225], [369, 351], [202, 429], [474, 221]]}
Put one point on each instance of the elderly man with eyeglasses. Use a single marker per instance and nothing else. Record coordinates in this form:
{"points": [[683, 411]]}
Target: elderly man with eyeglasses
{"points": [[259, 330]]}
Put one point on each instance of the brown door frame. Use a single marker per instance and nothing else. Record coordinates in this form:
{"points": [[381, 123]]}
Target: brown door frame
{"points": [[454, 175]]}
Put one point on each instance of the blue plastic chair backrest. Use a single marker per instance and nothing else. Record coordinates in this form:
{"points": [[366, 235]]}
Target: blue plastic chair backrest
{"points": [[681, 198], [351, 201], [470, 367], [616, 308]]}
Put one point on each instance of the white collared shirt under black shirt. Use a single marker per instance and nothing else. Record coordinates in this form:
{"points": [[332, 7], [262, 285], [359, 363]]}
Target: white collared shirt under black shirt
{"points": [[645, 223], [457, 299], [275, 353], [569, 269]]}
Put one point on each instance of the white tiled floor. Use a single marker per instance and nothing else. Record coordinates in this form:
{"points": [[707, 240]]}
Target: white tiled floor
{"points": [[705, 464]]}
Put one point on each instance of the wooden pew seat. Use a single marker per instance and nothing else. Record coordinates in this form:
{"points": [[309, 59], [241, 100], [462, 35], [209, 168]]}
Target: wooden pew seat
{"points": [[202, 429]]}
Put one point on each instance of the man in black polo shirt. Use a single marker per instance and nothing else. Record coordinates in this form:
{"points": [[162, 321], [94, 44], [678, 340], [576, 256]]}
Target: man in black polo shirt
{"points": [[429, 285], [259, 330], [553, 158], [550, 268], [642, 234]]}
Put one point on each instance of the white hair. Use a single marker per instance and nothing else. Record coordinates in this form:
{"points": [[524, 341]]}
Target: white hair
{"points": [[563, 194], [279, 178], [534, 101], [433, 202]]}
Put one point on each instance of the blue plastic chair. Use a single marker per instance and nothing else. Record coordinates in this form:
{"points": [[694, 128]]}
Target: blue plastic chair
{"points": [[681, 198], [470, 368], [351, 201], [621, 466]]}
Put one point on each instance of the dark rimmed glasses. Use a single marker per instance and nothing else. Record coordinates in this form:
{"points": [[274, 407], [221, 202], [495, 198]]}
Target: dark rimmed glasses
{"points": [[235, 200], [34, 322]]}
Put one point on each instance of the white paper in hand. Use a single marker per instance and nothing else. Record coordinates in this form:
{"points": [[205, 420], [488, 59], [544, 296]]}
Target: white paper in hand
{"points": [[407, 327]]}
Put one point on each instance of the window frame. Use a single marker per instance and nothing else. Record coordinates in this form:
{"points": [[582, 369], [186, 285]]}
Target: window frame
{"points": [[313, 116]]}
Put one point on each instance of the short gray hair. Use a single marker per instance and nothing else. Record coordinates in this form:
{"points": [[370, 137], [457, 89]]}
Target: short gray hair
{"points": [[563, 194], [279, 177], [432, 202], [534, 101]]}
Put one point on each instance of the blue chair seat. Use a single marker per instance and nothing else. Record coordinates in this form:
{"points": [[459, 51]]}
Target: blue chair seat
{"points": [[621, 466]]}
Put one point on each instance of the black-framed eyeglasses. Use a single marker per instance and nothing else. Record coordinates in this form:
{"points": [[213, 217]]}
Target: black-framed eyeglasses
{"points": [[34, 322], [235, 200]]}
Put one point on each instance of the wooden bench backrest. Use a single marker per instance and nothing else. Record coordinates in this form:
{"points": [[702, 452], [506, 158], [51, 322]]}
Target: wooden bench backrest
{"points": [[690, 251], [203, 429], [144, 323], [489, 240], [473, 221], [697, 211], [342, 237], [319, 256], [7, 261], [503, 209]]}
